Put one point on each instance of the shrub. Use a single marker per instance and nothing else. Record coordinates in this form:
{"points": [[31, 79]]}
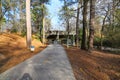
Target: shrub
{"points": [[23, 34], [97, 41]]}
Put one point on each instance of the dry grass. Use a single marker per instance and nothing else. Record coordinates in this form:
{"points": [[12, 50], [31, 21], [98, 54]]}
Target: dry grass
{"points": [[13, 50], [94, 66]]}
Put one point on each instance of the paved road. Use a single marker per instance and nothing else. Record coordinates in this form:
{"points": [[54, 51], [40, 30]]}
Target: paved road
{"points": [[51, 64]]}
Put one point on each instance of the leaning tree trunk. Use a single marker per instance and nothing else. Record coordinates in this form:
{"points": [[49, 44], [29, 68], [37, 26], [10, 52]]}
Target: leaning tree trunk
{"points": [[102, 29], [92, 25], [101, 39], [83, 44], [28, 20]]}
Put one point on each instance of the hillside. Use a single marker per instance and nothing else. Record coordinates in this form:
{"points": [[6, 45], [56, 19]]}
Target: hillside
{"points": [[13, 50]]}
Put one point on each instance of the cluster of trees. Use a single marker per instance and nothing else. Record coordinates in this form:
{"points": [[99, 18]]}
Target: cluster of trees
{"points": [[13, 17], [97, 20]]}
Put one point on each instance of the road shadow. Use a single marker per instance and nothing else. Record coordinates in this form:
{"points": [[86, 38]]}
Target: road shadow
{"points": [[26, 76]]}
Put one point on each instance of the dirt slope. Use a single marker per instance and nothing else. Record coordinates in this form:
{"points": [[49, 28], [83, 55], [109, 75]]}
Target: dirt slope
{"points": [[13, 50]]}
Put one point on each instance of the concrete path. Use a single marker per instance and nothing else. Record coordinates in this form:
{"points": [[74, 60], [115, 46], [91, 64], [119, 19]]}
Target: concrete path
{"points": [[51, 64]]}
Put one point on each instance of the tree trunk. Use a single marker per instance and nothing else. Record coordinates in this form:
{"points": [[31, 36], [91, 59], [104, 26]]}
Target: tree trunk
{"points": [[43, 32], [101, 39], [0, 15], [0, 9], [68, 27], [113, 13], [28, 20], [92, 25], [77, 25], [21, 17], [83, 44], [43, 28]]}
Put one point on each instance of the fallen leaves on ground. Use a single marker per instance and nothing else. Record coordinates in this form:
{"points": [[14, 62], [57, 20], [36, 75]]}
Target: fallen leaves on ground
{"points": [[13, 50], [94, 66]]}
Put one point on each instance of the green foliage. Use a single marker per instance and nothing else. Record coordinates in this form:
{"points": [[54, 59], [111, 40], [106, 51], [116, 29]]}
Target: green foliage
{"points": [[37, 36], [66, 13], [47, 24], [117, 14], [107, 43], [14, 30], [2, 21], [41, 1], [97, 41], [23, 34], [112, 36], [38, 13], [80, 34]]}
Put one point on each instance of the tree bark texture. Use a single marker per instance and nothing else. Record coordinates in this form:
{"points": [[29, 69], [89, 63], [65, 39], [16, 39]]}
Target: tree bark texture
{"points": [[28, 23], [91, 25], [85, 7]]}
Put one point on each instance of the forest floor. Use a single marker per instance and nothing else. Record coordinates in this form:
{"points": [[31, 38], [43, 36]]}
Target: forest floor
{"points": [[86, 66], [13, 50], [94, 66]]}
